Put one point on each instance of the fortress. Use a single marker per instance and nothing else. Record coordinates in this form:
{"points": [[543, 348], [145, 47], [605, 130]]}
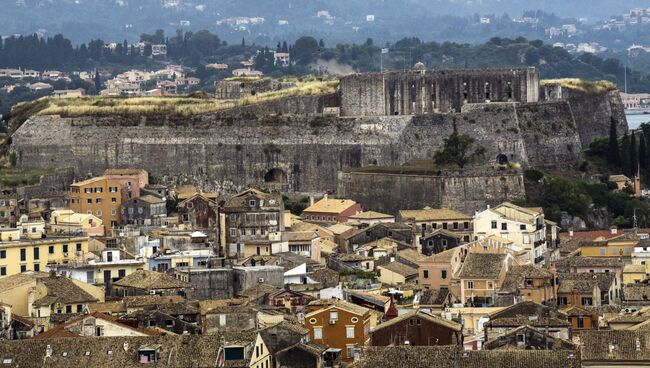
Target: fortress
{"points": [[314, 143]]}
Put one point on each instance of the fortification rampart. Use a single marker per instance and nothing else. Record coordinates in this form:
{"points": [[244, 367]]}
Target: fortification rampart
{"points": [[389, 193]]}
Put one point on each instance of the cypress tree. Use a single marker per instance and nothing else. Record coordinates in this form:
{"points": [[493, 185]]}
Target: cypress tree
{"points": [[626, 159], [98, 81], [613, 153], [643, 152], [634, 155]]}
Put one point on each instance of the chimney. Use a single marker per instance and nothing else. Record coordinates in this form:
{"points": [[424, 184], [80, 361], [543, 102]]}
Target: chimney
{"points": [[325, 196], [570, 232], [311, 201], [488, 206], [31, 297], [613, 230]]}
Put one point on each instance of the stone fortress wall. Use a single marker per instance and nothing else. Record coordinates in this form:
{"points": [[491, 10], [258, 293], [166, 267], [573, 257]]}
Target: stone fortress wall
{"points": [[293, 145]]}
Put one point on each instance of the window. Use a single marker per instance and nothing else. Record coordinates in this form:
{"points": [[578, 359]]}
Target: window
{"points": [[121, 273], [614, 251], [65, 248], [522, 227], [581, 322], [443, 274], [130, 210], [334, 315], [349, 332], [444, 225], [98, 190], [233, 232], [251, 203], [233, 353], [98, 213], [504, 226], [3, 254], [562, 301], [603, 251], [23, 268], [23, 254], [222, 320], [89, 200], [490, 285], [113, 212], [113, 200], [79, 308], [494, 224], [3, 271], [37, 267], [318, 333], [443, 242], [466, 225], [140, 210], [68, 309], [470, 284], [425, 274], [587, 301]]}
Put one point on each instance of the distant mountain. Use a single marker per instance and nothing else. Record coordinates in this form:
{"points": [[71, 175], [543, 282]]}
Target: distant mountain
{"points": [[266, 21]]}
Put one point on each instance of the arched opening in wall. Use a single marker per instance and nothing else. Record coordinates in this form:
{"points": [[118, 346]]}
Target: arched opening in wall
{"points": [[509, 91], [487, 91], [502, 159], [275, 176]]}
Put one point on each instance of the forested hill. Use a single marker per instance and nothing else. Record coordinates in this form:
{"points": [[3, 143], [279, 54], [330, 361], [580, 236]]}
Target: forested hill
{"points": [[198, 49]]}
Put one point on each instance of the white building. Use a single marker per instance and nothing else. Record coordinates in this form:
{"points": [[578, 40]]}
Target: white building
{"points": [[525, 227]]}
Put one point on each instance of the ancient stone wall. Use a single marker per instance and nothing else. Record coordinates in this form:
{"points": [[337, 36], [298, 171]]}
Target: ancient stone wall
{"points": [[429, 92], [389, 193], [593, 111], [232, 150], [236, 89]]}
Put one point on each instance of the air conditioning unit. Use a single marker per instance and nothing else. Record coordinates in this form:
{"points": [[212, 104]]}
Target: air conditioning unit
{"points": [[79, 253], [65, 254], [152, 292], [332, 321], [260, 280]]}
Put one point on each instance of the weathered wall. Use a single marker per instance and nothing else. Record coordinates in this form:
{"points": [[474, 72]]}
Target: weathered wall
{"points": [[428, 92], [389, 193], [233, 150], [593, 111], [235, 89]]}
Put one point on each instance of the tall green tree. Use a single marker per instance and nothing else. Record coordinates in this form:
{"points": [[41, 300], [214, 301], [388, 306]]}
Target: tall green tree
{"points": [[634, 155], [643, 152], [613, 153], [458, 149], [626, 158], [98, 81]]}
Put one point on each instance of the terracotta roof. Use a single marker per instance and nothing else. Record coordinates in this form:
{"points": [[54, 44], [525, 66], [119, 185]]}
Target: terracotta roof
{"points": [[400, 269], [301, 236], [370, 215], [410, 255], [554, 343], [325, 276], [62, 290], [64, 329], [482, 266], [338, 229], [636, 292], [330, 205], [529, 313], [115, 352], [14, 281], [633, 268], [615, 346], [124, 171], [351, 257], [433, 215], [584, 282], [147, 280], [424, 315], [528, 210], [147, 198], [516, 276], [590, 235], [444, 232], [580, 261], [144, 300], [451, 357], [240, 200], [340, 304]]}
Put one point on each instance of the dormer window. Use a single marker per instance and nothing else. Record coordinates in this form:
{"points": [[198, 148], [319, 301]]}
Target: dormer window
{"points": [[234, 353], [251, 203]]}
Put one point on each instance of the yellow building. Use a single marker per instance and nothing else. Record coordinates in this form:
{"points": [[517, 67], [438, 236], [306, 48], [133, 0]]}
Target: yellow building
{"points": [[619, 246], [633, 273], [18, 256], [66, 221], [100, 196], [37, 295]]}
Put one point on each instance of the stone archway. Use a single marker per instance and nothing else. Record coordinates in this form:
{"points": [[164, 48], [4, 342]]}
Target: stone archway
{"points": [[275, 176], [502, 159]]}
